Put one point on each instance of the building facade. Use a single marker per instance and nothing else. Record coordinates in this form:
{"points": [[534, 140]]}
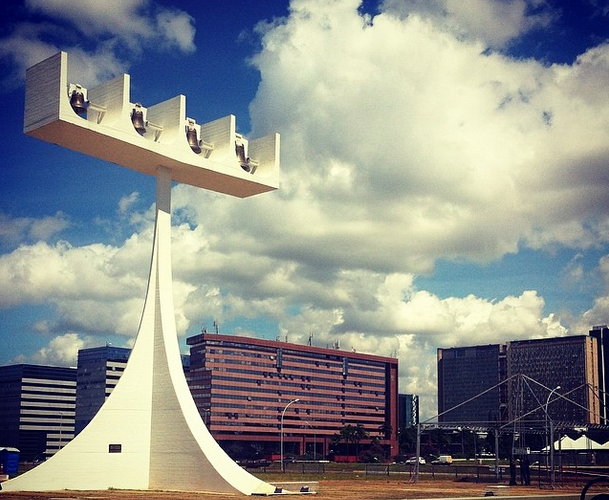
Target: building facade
{"points": [[254, 394], [568, 363], [469, 381], [601, 334], [486, 384], [37, 405], [408, 410]]}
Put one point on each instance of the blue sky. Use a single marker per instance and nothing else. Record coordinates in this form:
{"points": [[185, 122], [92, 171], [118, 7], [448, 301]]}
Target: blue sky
{"points": [[444, 176]]}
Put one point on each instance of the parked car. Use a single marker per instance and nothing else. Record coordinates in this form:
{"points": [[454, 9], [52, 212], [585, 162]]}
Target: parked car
{"points": [[413, 460]]}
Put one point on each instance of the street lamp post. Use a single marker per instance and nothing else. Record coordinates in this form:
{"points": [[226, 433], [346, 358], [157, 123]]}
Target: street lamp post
{"points": [[416, 464], [281, 432], [550, 437]]}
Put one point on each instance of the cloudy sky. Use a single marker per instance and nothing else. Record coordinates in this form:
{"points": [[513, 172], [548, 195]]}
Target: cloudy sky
{"points": [[444, 176]]}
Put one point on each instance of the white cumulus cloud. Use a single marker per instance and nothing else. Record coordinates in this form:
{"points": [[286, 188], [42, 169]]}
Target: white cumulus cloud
{"points": [[102, 37], [404, 141]]}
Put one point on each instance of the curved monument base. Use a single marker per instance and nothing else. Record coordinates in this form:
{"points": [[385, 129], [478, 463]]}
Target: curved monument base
{"points": [[148, 434]]}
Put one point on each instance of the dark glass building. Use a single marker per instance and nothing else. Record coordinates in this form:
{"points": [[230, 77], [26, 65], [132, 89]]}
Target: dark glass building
{"points": [[468, 384], [408, 410], [491, 383], [36, 409], [570, 363]]}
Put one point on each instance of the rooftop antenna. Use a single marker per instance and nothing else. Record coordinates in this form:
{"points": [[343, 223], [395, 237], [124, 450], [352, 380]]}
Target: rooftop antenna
{"points": [[216, 327]]}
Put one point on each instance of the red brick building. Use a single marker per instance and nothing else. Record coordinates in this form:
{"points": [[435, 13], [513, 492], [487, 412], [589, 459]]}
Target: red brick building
{"points": [[243, 385]]}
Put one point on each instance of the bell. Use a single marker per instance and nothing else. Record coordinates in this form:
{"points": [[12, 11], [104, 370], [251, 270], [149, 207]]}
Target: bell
{"points": [[193, 142], [137, 118], [78, 103], [243, 161]]}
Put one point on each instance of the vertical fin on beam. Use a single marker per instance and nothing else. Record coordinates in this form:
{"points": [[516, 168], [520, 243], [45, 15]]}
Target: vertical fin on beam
{"points": [[45, 84], [222, 133], [113, 96]]}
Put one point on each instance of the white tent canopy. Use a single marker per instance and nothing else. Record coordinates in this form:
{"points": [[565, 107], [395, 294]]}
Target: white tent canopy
{"points": [[581, 443]]}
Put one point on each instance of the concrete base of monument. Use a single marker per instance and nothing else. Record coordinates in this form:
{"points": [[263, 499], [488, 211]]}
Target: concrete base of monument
{"points": [[149, 434]]}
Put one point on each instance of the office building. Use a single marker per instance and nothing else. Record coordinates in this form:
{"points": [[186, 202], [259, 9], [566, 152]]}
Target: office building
{"points": [[469, 383], [508, 381], [36, 409], [601, 334], [570, 363], [246, 390], [408, 410], [242, 387]]}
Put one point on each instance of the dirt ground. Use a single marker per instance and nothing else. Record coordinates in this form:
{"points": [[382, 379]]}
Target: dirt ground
{"points": [[356, 489]]}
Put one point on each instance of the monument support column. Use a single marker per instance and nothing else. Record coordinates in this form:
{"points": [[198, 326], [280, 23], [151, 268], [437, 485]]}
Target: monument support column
{"points": [[149, 433]]}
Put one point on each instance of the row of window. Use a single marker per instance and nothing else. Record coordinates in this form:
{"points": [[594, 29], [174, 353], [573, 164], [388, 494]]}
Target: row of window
{"points": [[277, 411], [285, 387], [285, 376], [220, 400], [358, 364], [357, 403], [287, 396], [332, 425], [47, 389], [41, 398], [299, 355], [354, 371]]}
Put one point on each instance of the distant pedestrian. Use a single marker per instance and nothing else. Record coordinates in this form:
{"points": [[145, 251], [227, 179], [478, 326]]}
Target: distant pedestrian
{"points": [[526, 471], [512, 471]]}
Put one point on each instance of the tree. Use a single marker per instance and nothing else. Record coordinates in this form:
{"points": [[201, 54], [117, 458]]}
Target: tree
{"points": [[374, 454], [408, 440], [435, 442], [352, 435], [386, 430], [359, 433], [346, 434]]}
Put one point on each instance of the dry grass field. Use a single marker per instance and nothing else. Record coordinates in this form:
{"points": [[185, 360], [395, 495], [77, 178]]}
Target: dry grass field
{"points": [[353, 488]]}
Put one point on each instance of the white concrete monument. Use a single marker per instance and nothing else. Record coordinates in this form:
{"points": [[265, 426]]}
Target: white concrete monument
{"points": [[148, 434]]}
